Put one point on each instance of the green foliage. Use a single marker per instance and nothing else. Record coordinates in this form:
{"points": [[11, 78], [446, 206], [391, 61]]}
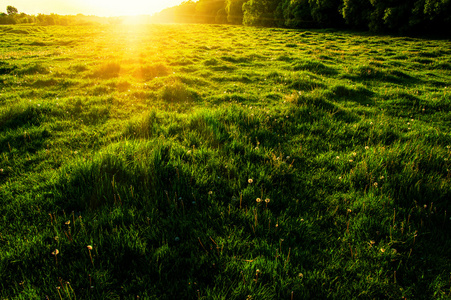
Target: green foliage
{"points": [[295, 14], [211, 11], [260, 12], [326, 12], [357, 13], [234, 9]]}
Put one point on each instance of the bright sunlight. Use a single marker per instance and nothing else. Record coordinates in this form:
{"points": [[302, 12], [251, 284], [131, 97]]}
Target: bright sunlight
{"points": [[101, 8], [122, 8]]}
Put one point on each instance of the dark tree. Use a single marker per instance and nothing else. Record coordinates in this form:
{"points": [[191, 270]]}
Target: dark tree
{"points": [[11, 10], [207, 11], [234, 9], [260, 12]]}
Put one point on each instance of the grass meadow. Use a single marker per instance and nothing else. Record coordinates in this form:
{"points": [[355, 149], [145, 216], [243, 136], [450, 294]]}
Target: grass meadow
{"points": [[223, 162]]}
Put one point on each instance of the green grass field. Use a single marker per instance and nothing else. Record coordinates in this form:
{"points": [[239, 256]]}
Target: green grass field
{"points": [[223, 162]]}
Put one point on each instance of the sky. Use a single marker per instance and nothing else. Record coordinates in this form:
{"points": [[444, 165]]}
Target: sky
{"points": [[101, 8]]}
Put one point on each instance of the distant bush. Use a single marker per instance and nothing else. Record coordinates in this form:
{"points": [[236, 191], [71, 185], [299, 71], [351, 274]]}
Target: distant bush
{"points": [[6, 19]]}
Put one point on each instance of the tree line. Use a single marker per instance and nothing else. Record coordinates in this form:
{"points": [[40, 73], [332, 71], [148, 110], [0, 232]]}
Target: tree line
{"points": [[380, 16], [12, 16]]}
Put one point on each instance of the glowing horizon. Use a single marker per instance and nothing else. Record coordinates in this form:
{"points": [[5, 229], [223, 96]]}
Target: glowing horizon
{"points": [[101, 8]]}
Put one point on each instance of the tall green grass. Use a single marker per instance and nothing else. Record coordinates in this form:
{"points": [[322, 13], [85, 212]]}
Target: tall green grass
{"points": [[179, 162]]}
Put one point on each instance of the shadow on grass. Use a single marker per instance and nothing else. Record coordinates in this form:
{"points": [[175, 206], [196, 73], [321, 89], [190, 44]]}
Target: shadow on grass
{"points": [[314, 67], [20, 116], [368, 73], [357, 94]]}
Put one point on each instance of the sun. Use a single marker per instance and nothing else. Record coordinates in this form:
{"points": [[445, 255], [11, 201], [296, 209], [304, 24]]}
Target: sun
{"points": [[108, 8]]}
